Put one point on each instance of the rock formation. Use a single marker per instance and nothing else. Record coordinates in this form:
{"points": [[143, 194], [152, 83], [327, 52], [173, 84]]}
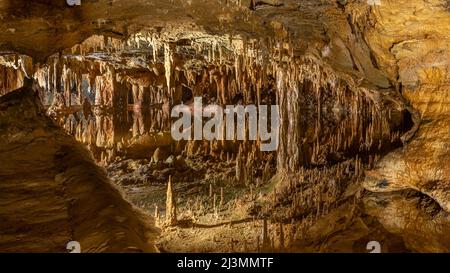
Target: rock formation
{"points": [[171, 205], [53, 193]]}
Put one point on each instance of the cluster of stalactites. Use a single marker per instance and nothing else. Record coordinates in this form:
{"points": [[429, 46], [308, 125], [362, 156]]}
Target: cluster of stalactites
{"points": [[10, 79], [97, 43], [14, 68], [215, 78], [232, 65], [74, 80]]}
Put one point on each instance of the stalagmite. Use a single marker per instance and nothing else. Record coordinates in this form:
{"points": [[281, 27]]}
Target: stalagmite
{"points": [[281, 237], [266, 172], [258, 244], [171, 209], [239, 167], [265, 236], [156, 212]]}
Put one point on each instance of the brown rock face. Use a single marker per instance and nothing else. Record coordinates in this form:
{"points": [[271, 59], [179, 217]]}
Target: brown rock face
{"points": [[412, 47], [53, 193]]}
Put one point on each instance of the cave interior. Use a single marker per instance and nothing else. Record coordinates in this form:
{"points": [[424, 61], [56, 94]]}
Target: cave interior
{"points": [[86, 146]]}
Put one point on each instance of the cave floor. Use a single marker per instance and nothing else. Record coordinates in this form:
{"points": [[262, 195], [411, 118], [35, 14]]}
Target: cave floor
{"points": [[232, 226], [224, 228]]}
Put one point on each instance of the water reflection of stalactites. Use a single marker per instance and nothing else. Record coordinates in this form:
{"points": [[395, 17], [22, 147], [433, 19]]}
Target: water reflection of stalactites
{"points": [[149, 121], [160, 120], [104, 131], [70, 124], [107, 135], [138, 123], [97, 131]]}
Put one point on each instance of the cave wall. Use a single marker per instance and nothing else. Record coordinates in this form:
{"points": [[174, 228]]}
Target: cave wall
{"points": [[52, 192]]}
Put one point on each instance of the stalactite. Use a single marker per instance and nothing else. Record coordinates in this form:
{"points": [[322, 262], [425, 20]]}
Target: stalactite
{"points": [[168, 60]]}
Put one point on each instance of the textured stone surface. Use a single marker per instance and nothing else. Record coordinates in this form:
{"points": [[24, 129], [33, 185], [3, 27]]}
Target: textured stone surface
{"points": [[51, 191]]}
